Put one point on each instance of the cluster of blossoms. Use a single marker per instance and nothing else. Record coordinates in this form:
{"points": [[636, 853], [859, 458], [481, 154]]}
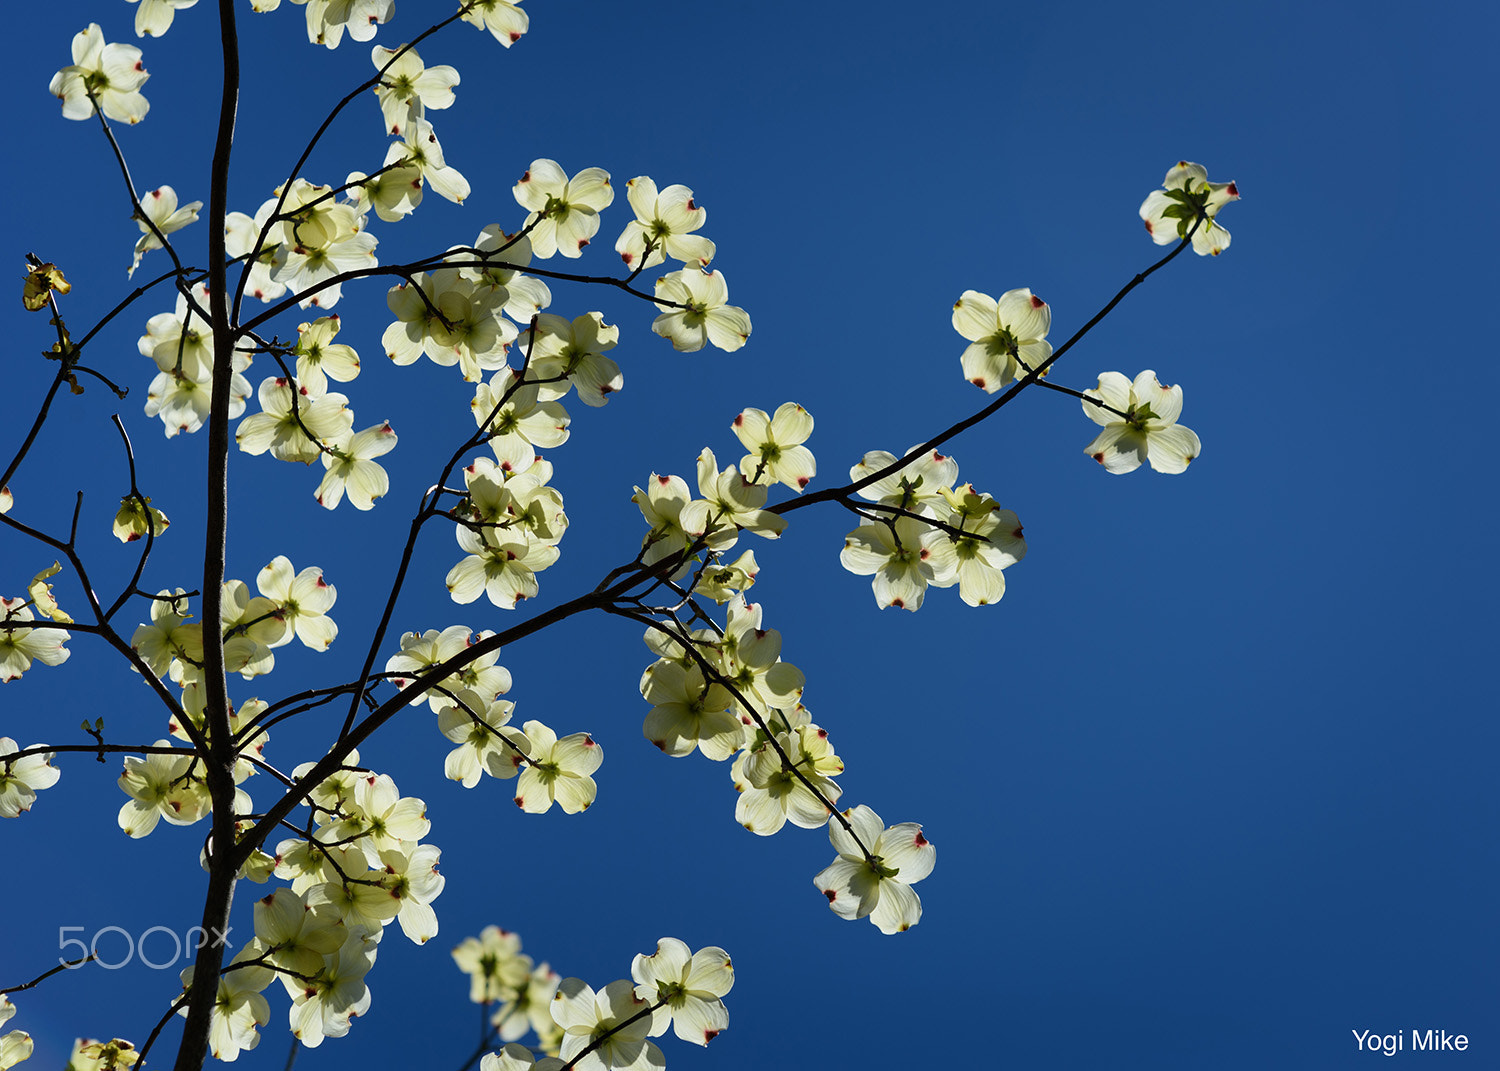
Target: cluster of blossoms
{"points": [[181, 344], [362, 867], [721, 689], [698, 530], [607, 1029], [1008, 337], [305, 238], [509, 525], [520, 988], [724, 691], [291, 605], [472, 715], [168, 784], [929, 532], [302, 420], [87, 1055], [565, 217]]}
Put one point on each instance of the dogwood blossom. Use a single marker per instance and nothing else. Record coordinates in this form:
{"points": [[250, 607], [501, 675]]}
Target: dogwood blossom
{"points": [[381, 818], [291, 935], [328, 19], [408, 87], [904, 555], [564, 211], [1139, 425], [504, 255], [351, 469], [319, 239], [572, 354], [604, 1023], [21, 779], [160, 207], [917, 487], [393, 192], [320, 359], [20, 646], [696, 311], [1188, 196], [1007, 338], [558, 770], [877, 885], [40, 594], [722, 582], [459, 321], [662, 502], [324, 1003], [170, 645], [689, 712], [529, 1006], [506, 21], [183, 402], [42, 281], [154, 17], [691, 986], [663, 219], [239, 1009], [110, 74], [750, 658], [241, 716], [517, 421], [136, 516], [734, 498], [303, 599], [992, 542], [420, 149], [501, 563], [182, 340], [771, 794], [411, 878], [451, 318], [486, 743], [513, 1057], [240, 234], [776, 453], [420, 652], [251, 626], [113, 1055], [294, 424], [494, 964], [181, 344], [162, 786], [16, 1045]]}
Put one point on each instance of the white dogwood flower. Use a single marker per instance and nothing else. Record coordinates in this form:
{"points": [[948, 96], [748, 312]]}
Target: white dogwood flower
{"points": [[877, 885], [1140, 424]]}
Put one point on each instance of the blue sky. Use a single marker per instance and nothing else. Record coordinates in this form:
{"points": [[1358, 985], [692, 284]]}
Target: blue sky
{"points": [[1211, 787]]}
